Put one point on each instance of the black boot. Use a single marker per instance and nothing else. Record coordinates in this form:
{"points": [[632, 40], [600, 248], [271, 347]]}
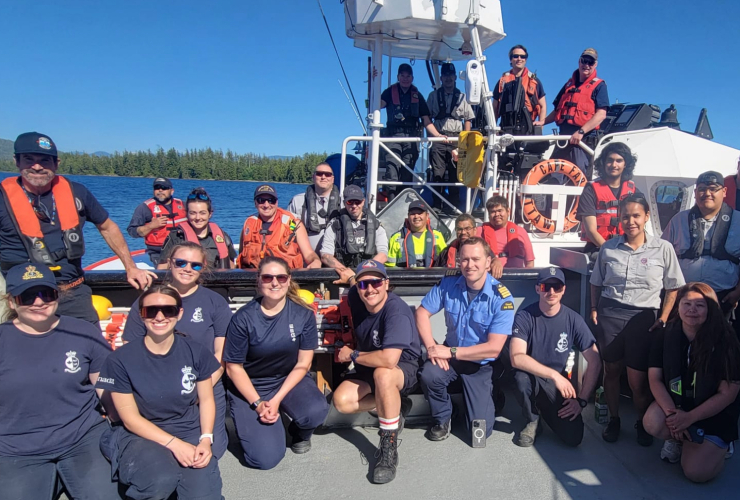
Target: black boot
{"points": [[387, 457]]}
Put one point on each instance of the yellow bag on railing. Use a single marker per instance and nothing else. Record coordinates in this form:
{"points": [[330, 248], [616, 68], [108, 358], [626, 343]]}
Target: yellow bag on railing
{"points": [[471, 151]]}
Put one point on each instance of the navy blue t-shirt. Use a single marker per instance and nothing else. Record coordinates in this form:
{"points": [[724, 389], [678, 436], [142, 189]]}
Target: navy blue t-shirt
{"points": [[600, 97], [268, 346], [393, 327], [164, 386], [550, 339], [47, 402], [13, 250], [206, 315]]}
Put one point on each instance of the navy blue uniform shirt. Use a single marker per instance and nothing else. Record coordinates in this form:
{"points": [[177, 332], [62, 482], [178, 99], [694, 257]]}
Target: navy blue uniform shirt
{"points": [[394, 327], [164, 386], [206, 315], [12, 246], [268, 346], [550, 339], [47, 403]]}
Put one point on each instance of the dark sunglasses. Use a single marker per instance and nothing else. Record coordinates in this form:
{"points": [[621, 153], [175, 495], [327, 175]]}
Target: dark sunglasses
{"points": [[363, 285], [42, 213], [150, 312], [324, 174], [266, 199], [28, 297], [546, 287], [182, 263], [588, 61], [267, 278], [353, 202], [161, 187], [198, 196], [519, 56]]}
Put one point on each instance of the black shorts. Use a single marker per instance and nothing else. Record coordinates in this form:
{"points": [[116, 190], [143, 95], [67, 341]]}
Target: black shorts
{"points": [[623, 334], [409, 369]]}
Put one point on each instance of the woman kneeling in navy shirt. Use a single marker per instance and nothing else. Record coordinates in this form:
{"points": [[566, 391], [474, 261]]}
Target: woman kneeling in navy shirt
{"points": [[268, 352], [161, 387], [49, 425]]}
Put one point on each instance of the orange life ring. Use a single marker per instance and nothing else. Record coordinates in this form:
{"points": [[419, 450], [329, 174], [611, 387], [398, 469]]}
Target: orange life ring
{"points": [[538, 172]]}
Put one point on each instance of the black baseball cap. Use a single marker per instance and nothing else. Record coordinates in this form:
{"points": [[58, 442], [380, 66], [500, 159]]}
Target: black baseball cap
{"points": [[407, 68], [418, 204], [370, 266], [33, 142], [265, 189], [24, 276], [448, 69], [711, 177], [550, 273], [352, 192], [161, 181]]}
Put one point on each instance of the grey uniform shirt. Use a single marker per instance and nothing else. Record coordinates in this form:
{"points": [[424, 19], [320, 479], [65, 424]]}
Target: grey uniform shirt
{"points": [[451, 125], [636, 277], [330, 240], [719, 274], [296, 207]]}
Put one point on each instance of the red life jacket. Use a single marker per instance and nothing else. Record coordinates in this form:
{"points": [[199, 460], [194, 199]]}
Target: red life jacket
{"points": [[731, 186], [529, 83], [607, 208], [216, 233], [452, 254], [488, 233], [281, 242], [576, 106], [178, 215]]}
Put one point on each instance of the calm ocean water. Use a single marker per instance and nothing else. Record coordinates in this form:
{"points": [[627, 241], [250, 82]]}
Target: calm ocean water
{"points": [[233, 202]]}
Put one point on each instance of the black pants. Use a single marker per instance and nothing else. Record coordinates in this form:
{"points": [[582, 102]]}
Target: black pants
{"points": [[77, 302], [539, 397], [440, 156], [576, 155], [394, 171]]}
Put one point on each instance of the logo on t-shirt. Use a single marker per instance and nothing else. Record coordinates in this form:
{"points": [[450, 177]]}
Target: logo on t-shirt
{"points": [[376, 338], [72, 363], [197, 315], [292, 332], [562, 343], [188, 380]]}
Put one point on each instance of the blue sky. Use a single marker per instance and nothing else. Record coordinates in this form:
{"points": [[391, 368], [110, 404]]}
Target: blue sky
{"points": [[247, 75]]}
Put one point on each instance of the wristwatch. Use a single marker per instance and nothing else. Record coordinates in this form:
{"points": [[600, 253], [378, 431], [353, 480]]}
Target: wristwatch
{"points": [[256, 404], [453, 352], [581, 131], [354, 355], [203, 436], [582, 402]]}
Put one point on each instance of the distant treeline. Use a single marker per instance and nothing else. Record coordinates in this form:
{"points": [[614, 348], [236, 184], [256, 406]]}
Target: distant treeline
{"points": [[190, 164]]}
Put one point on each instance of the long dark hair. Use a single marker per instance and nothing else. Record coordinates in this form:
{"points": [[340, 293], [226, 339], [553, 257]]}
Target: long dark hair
{"points": [[623, 150], [715, 344], [292, 288]]}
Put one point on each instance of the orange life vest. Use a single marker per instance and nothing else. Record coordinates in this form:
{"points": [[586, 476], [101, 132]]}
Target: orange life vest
{"points": [[28, 226], [452, 254], [489, 234], [607, 208], [576, 105], [529, 83], [731, 186], [217, 234], [281, 241], [177, 215]]}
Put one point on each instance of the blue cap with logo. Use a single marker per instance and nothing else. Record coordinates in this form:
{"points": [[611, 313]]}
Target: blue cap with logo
{"points": [[370, 266], [265, 189], [710, 178], [35, 143], [24, 276], [550, 273]]}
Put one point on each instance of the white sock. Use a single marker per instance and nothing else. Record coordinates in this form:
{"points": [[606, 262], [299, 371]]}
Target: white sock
{"points": [[389, 424]]}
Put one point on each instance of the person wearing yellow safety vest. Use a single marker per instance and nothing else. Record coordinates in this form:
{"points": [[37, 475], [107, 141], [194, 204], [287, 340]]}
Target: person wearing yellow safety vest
{"points": [[416, 238]]}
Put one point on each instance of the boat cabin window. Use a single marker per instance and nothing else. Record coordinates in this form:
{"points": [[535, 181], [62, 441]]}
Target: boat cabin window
{"points": [[667, 198]]}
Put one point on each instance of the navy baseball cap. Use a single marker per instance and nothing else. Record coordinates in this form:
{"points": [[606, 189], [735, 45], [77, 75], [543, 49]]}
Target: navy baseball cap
{"points": [[448, 69], [711, 177], [24, 276], [418, 204], [550, 273], [370, 266], [352, 192], [33, 142], [265, 189], [407, 68], [161, 181]]}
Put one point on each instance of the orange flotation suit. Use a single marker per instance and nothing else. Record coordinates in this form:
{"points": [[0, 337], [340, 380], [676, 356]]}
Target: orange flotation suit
{"points": [[281, 242], [576, 105], [177, 215], [529, 83]]}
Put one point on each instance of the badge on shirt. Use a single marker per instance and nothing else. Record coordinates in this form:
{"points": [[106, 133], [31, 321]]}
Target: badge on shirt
{"points": [[503, 291], [219, 238], [562, 343], [72, 363], [197, 315], [188, 380], [507, 306]]}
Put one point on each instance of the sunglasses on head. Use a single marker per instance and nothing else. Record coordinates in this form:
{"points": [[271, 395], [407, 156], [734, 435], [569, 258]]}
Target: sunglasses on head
{"points": [[198, 196], [519, 56], [182, 263], [588, 61], [375, 283], [150, 312], [546, 287], [266, 199], [281, 278], [324, 174], [353, 202], [28, 297], [161, 187]]}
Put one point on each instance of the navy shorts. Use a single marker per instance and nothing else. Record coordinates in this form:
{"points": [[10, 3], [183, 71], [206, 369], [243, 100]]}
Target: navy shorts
{"points": [[409, 369]]}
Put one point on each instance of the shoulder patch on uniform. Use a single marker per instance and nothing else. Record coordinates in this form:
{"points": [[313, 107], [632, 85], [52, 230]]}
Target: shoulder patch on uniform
{"points": [[507, 306], [503, 291]]}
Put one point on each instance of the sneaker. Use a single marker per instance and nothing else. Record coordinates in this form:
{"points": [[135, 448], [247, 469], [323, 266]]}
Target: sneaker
{"points": [[439, 432], [643, 438], [730, 450], [611, 433], [387, 457], [528, 434], [671, 451]]}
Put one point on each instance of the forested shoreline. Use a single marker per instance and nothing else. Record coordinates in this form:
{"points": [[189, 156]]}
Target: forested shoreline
{"points": [[190, 164]]}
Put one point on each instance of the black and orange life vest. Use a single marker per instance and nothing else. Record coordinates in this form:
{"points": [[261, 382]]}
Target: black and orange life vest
{"points": [[177, 215], [218, 237], [576, 105], [607, 208], [279, 241], [529, 84], [406, 117]]}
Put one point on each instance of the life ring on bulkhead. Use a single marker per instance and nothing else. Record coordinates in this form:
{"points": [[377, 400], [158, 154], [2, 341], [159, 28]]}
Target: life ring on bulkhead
{"points": [[534, 177]]}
